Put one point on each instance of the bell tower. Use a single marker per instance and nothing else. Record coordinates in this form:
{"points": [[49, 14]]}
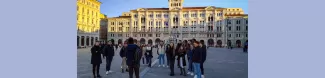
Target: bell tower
{"points": [[175, 4]]}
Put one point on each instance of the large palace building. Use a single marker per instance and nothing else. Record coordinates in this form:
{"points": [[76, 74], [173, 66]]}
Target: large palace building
{"points": [[217, 26], [88, 22]]}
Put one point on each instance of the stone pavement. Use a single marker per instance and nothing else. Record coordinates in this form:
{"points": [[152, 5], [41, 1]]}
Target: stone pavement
{"points": [[220, 63], [84, 68]]}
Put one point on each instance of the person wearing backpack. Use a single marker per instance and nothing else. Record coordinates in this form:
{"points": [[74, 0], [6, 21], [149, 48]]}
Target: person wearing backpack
{"points": [[133, 56]]}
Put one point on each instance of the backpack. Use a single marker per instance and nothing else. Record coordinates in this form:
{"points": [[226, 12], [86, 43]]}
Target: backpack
{"points": [[137, 56]]}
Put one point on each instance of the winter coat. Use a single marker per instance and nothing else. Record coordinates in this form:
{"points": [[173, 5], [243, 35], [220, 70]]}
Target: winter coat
{"points": [[96, 55], [108, 51], [170, 51], [130, 51], [197, 55], [204, 52], [123, 52], [181, 54]]}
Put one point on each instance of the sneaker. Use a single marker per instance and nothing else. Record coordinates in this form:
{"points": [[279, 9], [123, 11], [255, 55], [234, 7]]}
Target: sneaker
{"points": [[110, 71], [158, 65], [106, 72], [192, 73], [195, 76], [163, 65], [202, 76], [188, 72]]}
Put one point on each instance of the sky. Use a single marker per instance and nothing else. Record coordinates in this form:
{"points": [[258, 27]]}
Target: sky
{"points": [[115, 8]]}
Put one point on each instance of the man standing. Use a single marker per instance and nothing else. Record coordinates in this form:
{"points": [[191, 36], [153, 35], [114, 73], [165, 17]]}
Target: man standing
{"points": [[108, 53], [132, 58], [204, 55], [197, 59], [161, 53]]}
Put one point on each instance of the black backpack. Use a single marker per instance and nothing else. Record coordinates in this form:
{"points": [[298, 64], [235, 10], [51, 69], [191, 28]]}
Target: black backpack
{"points": [[137, 56]]}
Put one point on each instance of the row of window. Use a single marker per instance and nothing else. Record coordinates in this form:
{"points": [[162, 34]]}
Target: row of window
{"points": [[210, 28], [86, 2], [175, 4], [88, 20], [238, 28], [120, 23], [237, 22], [184, 15], [134, 35], [158, 35], [238, 35]]}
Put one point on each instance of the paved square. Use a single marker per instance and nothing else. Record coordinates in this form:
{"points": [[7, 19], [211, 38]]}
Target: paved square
{"points": [[84, 68], [220, 63]]}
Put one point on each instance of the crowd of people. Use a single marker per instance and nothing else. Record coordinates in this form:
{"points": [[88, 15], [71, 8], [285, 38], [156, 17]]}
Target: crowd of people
{"points": [[187, 53]]}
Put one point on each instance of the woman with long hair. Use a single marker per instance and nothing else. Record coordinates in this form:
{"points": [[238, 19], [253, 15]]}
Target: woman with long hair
{"points": [[170, 52], [148, 54], [181, 58]]}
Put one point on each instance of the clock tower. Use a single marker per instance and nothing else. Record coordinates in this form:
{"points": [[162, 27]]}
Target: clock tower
{"points": [[175, 4]]}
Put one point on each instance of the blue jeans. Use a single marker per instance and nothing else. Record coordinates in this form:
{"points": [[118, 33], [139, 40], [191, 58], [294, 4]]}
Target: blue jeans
{"points": [[197, 69], [190, 65], [161, 59]]}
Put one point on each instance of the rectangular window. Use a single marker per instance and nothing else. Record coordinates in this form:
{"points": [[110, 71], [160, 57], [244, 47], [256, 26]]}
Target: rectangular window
{"points": [[246, 28], [229, 21], [246, 21], [229, 28], [246, 35], [229, 35]]}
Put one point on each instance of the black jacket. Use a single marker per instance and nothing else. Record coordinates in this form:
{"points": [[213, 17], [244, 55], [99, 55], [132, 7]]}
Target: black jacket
{"points": [[181, 54], [96, 55], [170, 51], [130, 51], [123, 52], [197, 55], [108, 51], [204, 52]]}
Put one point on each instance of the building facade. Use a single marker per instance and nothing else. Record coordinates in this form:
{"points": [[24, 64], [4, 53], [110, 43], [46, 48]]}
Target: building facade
{"points": [[215, 25], [88, 22]]}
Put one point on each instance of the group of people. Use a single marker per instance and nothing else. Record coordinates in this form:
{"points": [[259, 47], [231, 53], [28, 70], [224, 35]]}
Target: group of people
{"points": [[190, 52], [99, 51], [193, 51]]}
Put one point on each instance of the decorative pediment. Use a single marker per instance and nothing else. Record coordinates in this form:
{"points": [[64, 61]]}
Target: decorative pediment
{"points": [[175, 9], [141, 9], [210, 8]]}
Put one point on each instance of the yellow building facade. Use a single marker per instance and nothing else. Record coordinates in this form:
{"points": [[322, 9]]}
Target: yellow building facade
{"points": [[88, 21], [149, 25]]}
